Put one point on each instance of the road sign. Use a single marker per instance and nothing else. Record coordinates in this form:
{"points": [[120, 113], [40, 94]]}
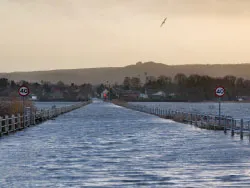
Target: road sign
{"points": [[23, 91], [219, 91]]}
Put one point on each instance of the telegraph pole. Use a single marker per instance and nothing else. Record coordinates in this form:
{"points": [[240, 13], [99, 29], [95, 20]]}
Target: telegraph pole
{"points": [[146, 79]]}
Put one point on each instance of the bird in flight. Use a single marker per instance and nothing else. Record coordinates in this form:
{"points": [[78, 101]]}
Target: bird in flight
{"points": [[163, 22]]}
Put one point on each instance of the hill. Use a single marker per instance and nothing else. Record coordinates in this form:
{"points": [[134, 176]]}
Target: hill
{"points": [[117, 74]]}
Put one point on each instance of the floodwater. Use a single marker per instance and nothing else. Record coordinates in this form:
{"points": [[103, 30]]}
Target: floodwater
{"points": [[42, 105], [236, 110], [103, 145]]}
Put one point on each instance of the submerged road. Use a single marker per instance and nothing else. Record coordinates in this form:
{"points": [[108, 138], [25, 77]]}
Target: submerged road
{"points": [[103, 145]]}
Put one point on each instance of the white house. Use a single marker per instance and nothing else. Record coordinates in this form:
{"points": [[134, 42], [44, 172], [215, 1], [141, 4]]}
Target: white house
{"points": [[172, 95], [160, 93]]}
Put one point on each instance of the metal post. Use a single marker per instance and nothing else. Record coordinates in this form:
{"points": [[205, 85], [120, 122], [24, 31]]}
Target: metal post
{"points": [[241, 128], [248, 123], [23, 113], [219, 112], [232, 127]]}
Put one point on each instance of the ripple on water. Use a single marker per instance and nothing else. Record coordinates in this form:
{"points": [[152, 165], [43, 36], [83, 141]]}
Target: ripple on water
{"points": [[107, 146]]}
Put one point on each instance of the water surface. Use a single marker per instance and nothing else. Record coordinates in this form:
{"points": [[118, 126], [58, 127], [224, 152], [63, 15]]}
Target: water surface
{"points": [[236, 110], [43, 105], [103, 145]]}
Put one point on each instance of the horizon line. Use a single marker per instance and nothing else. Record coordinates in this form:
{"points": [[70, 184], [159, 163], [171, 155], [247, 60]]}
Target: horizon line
{"points": [[61, 69]]}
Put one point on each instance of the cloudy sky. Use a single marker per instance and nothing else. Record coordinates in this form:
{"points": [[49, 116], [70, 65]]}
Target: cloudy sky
{"points": [[59, 34]]}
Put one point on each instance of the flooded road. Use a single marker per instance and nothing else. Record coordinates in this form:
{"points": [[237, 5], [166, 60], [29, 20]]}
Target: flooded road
{"points": [[103, 145]]}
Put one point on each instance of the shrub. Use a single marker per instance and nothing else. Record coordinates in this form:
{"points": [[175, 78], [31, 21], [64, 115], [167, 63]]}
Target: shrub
{"points": [[13, 106]]}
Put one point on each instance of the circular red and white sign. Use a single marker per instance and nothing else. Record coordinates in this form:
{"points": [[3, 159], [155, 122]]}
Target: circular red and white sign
{"points": [[219, 91], [23, 91]]}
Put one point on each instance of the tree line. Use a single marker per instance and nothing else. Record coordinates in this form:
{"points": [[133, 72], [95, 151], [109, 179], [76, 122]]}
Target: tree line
{"points": [[194, 87], [45, 90]]}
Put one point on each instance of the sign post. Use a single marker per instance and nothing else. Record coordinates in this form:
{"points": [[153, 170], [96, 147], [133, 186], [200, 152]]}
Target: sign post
{"points": [[220, 92], [23, 91]]}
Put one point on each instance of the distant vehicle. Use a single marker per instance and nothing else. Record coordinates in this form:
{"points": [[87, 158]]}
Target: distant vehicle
{"points": [[105, 97]]}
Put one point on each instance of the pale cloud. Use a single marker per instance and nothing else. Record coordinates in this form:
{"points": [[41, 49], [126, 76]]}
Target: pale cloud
{"points": [[50, 34]]}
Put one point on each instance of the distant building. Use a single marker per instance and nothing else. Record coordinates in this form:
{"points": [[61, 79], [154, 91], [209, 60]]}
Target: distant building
{"points": [[143, 96], [243, 98], [129, 95], [33, 97], [158, 95], [172, 94], [126, 94]]}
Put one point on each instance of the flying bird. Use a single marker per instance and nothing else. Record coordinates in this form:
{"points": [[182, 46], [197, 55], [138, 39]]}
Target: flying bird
{"points": [[163, 21]]}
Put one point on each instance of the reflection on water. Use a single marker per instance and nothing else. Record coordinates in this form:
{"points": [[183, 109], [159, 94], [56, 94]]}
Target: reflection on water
{"points": [[102, 145]]}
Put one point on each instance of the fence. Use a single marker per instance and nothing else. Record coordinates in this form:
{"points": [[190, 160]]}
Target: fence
{"points": [[205, 121], [9, 124]]}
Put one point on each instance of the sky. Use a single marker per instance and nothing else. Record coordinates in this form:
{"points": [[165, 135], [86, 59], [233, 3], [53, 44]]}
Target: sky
{"points": [[62, 34]]}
